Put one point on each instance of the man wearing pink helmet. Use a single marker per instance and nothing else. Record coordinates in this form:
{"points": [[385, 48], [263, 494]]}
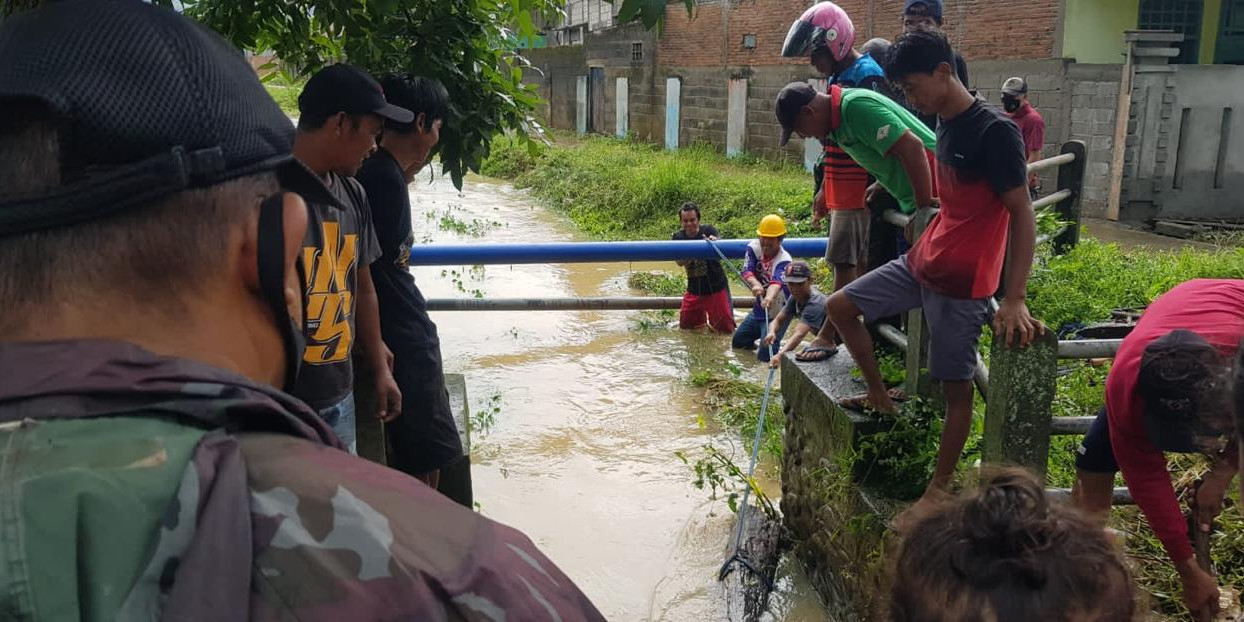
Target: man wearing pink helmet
{"points": [[825, 34]]}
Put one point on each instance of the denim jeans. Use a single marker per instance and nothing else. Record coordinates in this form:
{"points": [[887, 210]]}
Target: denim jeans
{"points": [[340, 417], [752, 329]]}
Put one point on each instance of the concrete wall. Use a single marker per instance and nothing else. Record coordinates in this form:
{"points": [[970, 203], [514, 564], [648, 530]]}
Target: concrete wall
{"points": [[1087, 22], [1185, 150]]}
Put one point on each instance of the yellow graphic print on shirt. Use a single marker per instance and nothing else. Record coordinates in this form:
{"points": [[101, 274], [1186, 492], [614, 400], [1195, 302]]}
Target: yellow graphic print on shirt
{"points": [[330, 303]]}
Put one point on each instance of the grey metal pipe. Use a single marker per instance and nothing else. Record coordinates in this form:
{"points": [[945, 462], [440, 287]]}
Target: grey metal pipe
{"points": [[1051, 199], [615, 303], [1121, 496], [980, 377], [1070, 426], [893, 335], [1088, 348], [896, 218], [1058, 160]]}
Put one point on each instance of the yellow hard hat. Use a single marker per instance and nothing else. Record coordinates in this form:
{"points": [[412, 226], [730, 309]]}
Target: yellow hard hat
{"points": [[771, 226]]}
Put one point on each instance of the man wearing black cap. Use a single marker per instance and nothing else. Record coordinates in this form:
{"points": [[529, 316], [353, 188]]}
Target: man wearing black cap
{"points": [[150, 463], [1168, 391], [342, 111], [927, 14]]}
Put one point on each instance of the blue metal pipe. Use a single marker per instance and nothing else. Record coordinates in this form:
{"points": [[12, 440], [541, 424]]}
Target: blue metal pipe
{"points": [[592, 252]]}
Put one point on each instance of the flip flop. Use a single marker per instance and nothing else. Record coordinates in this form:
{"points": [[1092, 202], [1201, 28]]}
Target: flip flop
{"points": [[805, 356], [897, 394], [860, 403]]}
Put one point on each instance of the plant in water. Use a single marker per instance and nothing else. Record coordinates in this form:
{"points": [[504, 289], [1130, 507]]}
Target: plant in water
{"points": [[718, 472]]}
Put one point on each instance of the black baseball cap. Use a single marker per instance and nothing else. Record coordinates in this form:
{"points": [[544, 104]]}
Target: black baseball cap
{"points": [[790, 100], [928, 8], [1182, 382], [798, 272], [149, 103], [346, 88]]}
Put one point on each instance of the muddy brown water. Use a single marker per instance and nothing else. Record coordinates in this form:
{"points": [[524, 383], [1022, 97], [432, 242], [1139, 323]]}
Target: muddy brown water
{"points": [[588, 409]]}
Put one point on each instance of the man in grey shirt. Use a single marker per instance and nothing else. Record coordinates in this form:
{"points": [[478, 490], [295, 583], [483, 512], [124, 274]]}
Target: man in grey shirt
{"points": [[808, 305]]}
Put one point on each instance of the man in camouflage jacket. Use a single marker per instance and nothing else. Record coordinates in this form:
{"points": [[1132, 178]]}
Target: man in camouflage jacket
{"points": [[150, 218]]}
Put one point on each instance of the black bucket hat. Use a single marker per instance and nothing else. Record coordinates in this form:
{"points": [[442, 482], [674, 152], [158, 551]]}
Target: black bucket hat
{"points": [[149, 102]]}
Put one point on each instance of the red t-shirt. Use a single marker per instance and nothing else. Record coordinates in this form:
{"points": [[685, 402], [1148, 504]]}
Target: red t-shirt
{"points": [[980, 156], [1213, 309], [1031, 126]]}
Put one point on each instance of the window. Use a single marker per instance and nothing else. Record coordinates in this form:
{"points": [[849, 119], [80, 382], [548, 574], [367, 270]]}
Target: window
{"points": [[1181, 16], [637, 52]]}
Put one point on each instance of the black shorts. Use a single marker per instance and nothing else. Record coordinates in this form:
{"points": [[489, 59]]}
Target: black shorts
{"points": [[1095, 453], [424, 437]]}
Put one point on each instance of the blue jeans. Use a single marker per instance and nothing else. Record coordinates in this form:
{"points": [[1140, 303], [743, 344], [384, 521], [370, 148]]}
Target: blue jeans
{"points": [[753, 328], [340, 417]]}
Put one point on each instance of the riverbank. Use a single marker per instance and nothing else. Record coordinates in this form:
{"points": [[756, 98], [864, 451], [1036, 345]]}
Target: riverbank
{"points": [[614, 189]]}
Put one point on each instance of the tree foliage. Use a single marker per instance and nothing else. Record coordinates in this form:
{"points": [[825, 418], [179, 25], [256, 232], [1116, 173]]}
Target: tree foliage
{"points": [[469, 45]]}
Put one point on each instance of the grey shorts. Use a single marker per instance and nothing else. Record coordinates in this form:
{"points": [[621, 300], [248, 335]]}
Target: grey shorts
{"points": [[954, 323], [848, 237]]}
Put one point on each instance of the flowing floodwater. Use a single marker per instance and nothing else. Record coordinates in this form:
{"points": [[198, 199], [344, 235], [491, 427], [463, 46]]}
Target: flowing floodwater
{"points": [[588, 409]]}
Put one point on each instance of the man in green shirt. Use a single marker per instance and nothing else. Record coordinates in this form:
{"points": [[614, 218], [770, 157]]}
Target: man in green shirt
{"points": [[880, 135], [887, 140]]}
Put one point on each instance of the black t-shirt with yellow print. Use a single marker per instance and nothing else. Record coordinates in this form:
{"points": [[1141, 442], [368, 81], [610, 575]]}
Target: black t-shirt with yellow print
{"points": [[337, 244]]}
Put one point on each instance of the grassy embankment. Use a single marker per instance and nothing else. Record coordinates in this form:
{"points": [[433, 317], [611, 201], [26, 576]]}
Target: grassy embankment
{"points": [[616, 189]]}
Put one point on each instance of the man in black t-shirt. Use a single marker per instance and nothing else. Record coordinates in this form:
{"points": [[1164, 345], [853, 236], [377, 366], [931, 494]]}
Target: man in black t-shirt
{"points": [[708, 292], [424, 438], [341, 111]]}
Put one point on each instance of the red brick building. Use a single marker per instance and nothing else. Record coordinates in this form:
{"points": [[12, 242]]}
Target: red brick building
{"points": [[1070, 51]]}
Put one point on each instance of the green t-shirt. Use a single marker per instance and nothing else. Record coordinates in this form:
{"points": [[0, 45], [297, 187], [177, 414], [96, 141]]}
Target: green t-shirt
{"points": [[870, 125]]}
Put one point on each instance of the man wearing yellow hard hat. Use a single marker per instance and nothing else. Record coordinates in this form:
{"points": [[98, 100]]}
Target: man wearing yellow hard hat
{"points": [[765, 266]]}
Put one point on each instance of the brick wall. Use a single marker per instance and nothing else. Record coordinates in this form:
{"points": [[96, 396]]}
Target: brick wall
{"points": [[1077, 101], [980, 29]]}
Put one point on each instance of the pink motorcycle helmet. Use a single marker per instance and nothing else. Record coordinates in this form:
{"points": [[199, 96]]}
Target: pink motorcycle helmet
{"points": [[825, 25]]}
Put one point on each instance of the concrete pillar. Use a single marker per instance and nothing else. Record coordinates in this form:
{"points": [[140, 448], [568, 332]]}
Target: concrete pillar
{"points": [[673, 99], [621, 118], [580, 105], [736, 116], [812, 149]]}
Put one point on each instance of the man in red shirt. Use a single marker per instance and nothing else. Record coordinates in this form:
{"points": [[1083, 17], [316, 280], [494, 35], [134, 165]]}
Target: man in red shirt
{"points": [[956, 264], [1168, 391], [1031, 125]]}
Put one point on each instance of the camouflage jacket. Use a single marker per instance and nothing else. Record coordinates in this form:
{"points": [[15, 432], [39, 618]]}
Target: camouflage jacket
{"points": [[140, 487]]}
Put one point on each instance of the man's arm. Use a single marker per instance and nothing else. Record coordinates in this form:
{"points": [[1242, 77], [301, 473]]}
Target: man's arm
{"points": [[1013, 317], [378, 357], [911, 155], [774, 323], [796, 338]]}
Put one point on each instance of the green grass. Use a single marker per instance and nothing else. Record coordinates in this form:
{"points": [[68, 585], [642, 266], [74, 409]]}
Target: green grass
{"points": [[284, 91], [658, 283], [622, 190]]}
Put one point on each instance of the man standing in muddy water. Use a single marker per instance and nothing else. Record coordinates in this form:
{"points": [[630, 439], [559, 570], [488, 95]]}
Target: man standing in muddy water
{"points": [[707, 299]]}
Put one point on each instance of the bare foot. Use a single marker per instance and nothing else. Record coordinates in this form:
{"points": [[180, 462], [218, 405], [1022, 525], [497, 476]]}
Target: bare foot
{"points": [[881, 403]]}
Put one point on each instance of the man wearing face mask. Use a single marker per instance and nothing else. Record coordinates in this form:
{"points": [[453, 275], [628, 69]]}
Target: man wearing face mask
{"points": [[150, 462], [1031, 125]]}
